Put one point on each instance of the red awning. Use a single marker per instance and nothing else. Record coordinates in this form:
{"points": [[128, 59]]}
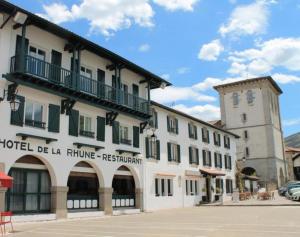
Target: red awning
{"points": [[212, 172], [5, 180]]}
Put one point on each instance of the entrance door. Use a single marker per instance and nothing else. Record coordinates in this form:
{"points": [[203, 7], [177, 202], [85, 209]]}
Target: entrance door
{"points": [[135, 92], [55, 69], [101, 83], [208, 190]]}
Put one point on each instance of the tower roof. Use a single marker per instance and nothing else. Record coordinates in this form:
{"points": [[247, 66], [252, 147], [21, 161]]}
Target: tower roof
{"points": [[247, 81]]}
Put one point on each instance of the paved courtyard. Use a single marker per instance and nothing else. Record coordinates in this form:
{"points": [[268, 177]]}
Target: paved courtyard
{"points": [[277, 221]]}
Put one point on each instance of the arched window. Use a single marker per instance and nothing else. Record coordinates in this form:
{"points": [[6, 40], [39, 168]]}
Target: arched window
{"points": [[250, 97]]}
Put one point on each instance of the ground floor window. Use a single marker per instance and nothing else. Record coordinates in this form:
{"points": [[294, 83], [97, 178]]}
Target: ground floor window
{"points": [[229, 187], [191, 187], [163, 187], [31, 191], [219, 186], [297, 172]]}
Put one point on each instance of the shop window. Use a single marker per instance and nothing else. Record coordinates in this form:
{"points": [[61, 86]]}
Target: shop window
{"points": [[34, 114], [86, 126], [219, 186], [163, 187], [229, 187]]}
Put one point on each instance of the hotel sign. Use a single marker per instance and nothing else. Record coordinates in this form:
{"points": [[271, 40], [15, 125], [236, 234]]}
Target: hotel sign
{"points": [[67, 152]]}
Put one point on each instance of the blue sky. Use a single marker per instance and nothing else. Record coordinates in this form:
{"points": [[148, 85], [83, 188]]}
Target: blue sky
{"points": [[195, 44]]}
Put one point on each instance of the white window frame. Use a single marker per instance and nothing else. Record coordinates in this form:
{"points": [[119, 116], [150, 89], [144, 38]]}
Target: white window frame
{"points": [[174, 152], [85, 70], [194, 154], [85, 117], [34, 103], [235, 99], [129, 132]]}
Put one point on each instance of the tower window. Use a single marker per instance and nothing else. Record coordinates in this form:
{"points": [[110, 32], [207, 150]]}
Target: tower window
{"points": [[244, 117], [235, 98], [246, 134], [250, 97], [247, 151]]}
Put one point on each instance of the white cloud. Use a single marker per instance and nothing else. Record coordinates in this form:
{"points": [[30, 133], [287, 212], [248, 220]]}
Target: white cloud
{"points": [[233, 1], [285, 79], [165, 76], [105, 16], [175, 94], [173, 5], [291, 122], [209, 82], [249, 19], [205, 112], [144, 48], [278, 52], [183, 70], [211, 51]]}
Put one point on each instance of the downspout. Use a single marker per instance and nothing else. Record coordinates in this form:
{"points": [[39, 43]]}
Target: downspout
{"points": [[78, 70], [149, 100], [23, 54]]}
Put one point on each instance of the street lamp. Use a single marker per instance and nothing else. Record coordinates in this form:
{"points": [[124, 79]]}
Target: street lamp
{"points": [[14, 102]]}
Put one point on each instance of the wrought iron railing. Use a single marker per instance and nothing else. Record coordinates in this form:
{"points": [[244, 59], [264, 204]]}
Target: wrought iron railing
{"points": [[72, 80], [125, 141], [34, 123], [86, 133], [119, 201]]}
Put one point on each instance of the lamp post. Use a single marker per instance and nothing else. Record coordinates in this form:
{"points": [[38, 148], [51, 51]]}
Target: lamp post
{"points": [[14, 102]]}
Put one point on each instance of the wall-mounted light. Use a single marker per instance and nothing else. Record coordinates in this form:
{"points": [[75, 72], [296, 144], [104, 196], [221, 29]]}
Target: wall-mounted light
{"points": [[163, 85], [14, 102], [20, 18]]}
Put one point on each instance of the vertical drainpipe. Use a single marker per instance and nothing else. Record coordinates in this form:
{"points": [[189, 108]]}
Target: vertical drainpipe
{"points": [[78, 70], [23, 54], [73, 82], [149, 100], [117, 84]]}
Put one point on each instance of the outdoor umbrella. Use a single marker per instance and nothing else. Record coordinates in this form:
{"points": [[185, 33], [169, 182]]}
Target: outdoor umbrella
{"points": [[5, 180]]}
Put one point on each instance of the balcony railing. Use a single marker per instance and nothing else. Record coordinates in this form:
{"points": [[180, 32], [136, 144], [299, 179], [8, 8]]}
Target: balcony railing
{"points": [[86, 133], [125, 141], [74, 81], [34, 123]]}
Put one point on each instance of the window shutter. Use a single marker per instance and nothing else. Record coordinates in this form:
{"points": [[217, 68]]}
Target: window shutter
{"points": [[156, 119], [227, 186], [178, 151], [197, 156], [196, 133], [176, 126], [219, 139], [157, 150], [101, 129], [207, 136], [147, 146], [216, 159], [168, 123], [190, 133], [230, 167], [54, 118], [209, 155], [204, 157], [190, 155], [17, 117], [222, 185], [202, 130], [215, 139], [115, 132], [221, 161], [169, 152], [73, 123], [226, 165], [228, 142], [136, 137], [225, 142]]}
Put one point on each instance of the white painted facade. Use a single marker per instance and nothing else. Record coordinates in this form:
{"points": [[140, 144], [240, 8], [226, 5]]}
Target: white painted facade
{"points": [[58, 157]]}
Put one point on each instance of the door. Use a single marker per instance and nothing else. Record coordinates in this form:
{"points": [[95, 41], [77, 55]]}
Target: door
{"points": [[17, 63], [208, 190], [101, 83], [135, 92], [55, 69]]}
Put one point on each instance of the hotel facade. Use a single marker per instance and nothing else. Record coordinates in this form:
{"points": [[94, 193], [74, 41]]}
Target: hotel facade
{"points": [[80, 134]]}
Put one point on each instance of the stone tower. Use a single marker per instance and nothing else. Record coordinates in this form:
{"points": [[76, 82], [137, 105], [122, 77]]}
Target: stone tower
{"points": [[250, 109]]}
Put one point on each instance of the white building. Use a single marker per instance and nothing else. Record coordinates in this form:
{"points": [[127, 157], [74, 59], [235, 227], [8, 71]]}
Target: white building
{"points": [[76, 141], [250, 109]]}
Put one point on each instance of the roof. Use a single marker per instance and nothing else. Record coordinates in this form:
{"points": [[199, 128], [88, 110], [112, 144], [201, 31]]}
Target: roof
{"points": [[192, 118], [44, 24], [291, 149], [268, 78], [212, 172]]}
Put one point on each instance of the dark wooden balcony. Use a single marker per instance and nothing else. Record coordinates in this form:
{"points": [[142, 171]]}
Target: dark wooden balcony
{"points": [[51, 77]]}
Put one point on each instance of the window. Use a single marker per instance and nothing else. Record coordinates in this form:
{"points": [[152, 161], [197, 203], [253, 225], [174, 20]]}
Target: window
{"points": [[85, 126], [36, 64], [193, 155], [205, 135], [34, 114], [228, 162], [152, 148], [235, 99], [244, 117], [191, 187], [192, 131], [206, 158], [247, 152], [218, 160], [245, 134], [250, 97], [153, 121], [124, 135], [173, 152], [37, 53], [229, 187], [219, 186], [227, 142], [172, 124], [163, 187], [217, 139], [84, 71]]}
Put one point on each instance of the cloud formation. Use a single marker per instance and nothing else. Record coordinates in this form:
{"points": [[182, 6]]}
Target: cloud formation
{"points": [[211, 51], [144, 48], [205, 112], [173, 5]]}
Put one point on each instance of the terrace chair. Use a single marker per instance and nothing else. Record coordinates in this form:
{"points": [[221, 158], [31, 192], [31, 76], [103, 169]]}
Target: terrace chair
{"points": [[5, 218]]}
